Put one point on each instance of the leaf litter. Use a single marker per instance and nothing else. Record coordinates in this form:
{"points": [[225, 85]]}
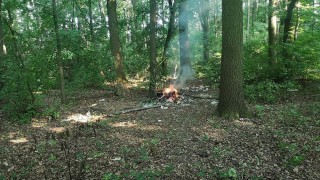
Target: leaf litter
{"points": [[172, 141]]}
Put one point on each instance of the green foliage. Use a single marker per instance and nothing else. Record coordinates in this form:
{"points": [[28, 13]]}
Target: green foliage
{"points": [[110, 176], [141, 175], [293, 117], [292, 153], [268, 91], [18, 101], [259, 110], [306, 52], [210, 70], [2, 177]]}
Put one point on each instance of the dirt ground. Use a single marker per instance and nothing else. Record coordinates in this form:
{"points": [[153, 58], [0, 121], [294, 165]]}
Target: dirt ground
{"points": [[94, 139]]}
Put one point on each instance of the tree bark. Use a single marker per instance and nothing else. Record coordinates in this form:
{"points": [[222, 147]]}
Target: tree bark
{"points": [[2, 52], [272, 33], [254, 15], [115, 40], [231, 99], [204, 20], [288, 25], [91, 20], [248, 20], [170, 34], [153, 50], [58, 53]]}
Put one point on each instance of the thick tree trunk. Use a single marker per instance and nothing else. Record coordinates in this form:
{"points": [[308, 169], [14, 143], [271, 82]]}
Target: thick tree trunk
{"points": [[153, 50], [59, 49], [231, 99], [272, 33], [115, 40], [186, 71], [170, 34], [204, 19]]}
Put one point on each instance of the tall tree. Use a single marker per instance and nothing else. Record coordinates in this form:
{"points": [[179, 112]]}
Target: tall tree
{"points": [[288, 24], [204, 20], [170, 34], [231, 99], [90, 19], [248, 19], [272, 32], [2, 52], [115, 40], [186, 71], [59, 49], [153, 50], [19, 59]]}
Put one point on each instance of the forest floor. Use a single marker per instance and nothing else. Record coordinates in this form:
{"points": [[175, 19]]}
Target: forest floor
{"points": [[92, 139]]}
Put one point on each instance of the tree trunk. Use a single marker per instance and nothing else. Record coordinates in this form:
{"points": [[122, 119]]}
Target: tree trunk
{"points": [[115, 40], [204, 19], [231, 99], [254, 15], [248, 20], [91, 20], [186, 71], [18, 56], [59, 49], [170, 35], [272, 33], [153, 50], [297, 23], [2, 51], [288, 25]]}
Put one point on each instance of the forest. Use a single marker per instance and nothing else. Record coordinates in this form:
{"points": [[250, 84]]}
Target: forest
{"points": [[159, 89]]}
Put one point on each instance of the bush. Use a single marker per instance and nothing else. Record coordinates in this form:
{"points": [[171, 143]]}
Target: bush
{"points": [[267, 91]]}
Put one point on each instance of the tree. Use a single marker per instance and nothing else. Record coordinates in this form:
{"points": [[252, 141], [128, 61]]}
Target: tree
{"points": [[170, 34], [2, 52], [204, 20], [153, 50], [59, 49], [288, 25], [115, 40], [231, 99], [90, 20], [272, 32]]}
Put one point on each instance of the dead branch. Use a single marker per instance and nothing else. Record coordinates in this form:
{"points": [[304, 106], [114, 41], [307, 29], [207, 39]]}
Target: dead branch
{"points": [[201, 96], [132, 110]]}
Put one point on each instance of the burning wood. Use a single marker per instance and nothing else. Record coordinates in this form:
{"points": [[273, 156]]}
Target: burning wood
{"points": [[170, 94]]}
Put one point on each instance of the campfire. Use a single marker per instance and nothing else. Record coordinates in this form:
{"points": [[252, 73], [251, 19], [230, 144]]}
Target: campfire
{"points": [[170, 94]]}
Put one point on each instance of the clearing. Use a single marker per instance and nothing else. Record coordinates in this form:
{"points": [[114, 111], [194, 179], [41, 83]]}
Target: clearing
{"points": [[92, 139]]}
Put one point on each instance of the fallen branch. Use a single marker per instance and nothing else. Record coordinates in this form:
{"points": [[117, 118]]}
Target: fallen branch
{"points": [[132, 110], [201, 96]]}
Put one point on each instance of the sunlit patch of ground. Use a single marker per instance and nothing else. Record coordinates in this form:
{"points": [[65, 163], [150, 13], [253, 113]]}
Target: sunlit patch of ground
{"points": [[178, 142]]}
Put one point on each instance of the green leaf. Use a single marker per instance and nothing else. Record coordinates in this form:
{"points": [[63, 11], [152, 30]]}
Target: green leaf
{"points": [[232, 173]]}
